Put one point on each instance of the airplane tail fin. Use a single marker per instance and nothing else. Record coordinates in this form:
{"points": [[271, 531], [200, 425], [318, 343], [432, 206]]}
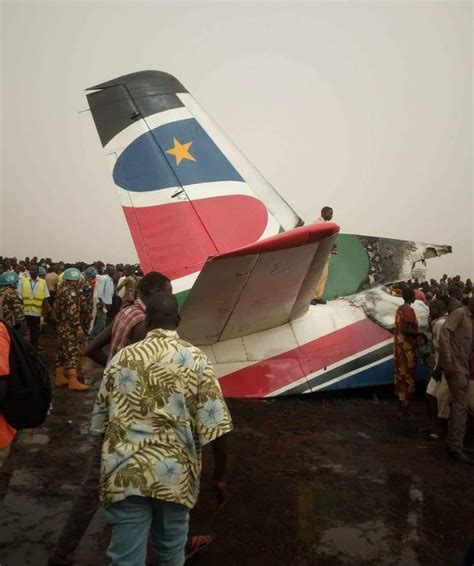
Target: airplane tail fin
{"points": [[186, 191]]}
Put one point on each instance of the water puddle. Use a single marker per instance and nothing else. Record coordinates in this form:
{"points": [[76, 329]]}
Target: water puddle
{"points": [[376, 540], [84, 449], [25, 518], [367, 541], [21, 478], [29, 437], [364, 436], [85, 428]]}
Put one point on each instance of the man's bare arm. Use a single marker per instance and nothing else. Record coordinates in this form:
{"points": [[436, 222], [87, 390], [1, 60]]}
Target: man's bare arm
{"points": [[138, 332], [219, 482], [95, 351]]}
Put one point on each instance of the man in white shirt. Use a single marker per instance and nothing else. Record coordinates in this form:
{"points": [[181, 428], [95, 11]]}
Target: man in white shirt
{"points": [[105, 293], [437, 391]]}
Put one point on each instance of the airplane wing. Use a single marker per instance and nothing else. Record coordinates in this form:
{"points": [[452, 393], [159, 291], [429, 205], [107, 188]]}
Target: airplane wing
{"points": [[256, 287]]}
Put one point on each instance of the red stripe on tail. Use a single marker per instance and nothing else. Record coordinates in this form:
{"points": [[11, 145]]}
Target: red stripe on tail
{"points": [[177, 238]]}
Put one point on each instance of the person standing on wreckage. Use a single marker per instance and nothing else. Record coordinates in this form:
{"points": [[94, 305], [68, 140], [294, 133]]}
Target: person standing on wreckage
{"points": [[326, 216]]}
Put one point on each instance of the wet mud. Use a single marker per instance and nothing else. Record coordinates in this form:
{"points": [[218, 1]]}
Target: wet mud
{"points": [[326, 480]]}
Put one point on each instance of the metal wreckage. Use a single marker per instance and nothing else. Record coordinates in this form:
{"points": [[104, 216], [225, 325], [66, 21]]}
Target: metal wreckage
{"points": [[242, 265]]}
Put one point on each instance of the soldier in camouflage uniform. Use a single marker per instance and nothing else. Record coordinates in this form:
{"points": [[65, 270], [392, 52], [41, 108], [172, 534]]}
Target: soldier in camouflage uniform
{"points": [[11, 305], [71, 329], [130, 285], [87, 291]]}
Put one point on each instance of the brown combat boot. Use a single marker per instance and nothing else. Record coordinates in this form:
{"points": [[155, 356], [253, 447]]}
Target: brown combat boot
{"points": [[60, 378], [74, 383]]}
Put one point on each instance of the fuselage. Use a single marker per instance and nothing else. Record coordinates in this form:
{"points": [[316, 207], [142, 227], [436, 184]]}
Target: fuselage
{"points": [[190, 197]]}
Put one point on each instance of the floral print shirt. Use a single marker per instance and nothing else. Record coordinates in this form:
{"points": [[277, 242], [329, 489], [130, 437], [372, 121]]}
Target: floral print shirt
{"points": [[158, 404]]}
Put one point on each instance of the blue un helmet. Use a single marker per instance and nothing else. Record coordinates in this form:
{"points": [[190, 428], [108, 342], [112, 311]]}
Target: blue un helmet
{"points": [[72, 274], [90, 272], [41, 271], [9, 278]]}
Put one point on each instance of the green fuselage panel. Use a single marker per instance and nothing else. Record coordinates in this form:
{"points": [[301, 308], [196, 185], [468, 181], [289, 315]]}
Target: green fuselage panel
{"points": [[349, 269]]}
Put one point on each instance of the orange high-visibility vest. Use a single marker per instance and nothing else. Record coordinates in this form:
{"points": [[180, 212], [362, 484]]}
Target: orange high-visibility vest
{"points": [[33, 303]]}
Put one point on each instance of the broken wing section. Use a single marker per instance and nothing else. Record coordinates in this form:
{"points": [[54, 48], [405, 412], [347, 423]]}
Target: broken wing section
{"points": [[365, 262], [257, 287]]}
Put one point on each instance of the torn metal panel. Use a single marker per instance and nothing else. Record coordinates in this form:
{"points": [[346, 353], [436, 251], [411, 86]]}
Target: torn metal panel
{"points": [[364, 262]]}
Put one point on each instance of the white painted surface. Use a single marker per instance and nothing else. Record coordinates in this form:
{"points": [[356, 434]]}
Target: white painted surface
{"points": [[231, 355], [382, 307], [285, 216]]}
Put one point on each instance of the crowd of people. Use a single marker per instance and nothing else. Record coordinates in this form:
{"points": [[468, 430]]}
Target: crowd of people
{"points": [[158, 405], [432, 290], [447, 351], [159, 401]]}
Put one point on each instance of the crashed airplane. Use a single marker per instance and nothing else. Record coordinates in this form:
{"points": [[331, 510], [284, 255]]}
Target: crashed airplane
{"points": [[242, 264]]}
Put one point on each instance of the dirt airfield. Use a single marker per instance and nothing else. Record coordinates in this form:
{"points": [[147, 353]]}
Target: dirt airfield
{"points": [[325, 480]]}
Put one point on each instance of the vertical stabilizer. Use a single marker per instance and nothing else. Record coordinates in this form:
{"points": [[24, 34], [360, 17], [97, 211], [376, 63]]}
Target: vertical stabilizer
{"points": [[186, 191]]}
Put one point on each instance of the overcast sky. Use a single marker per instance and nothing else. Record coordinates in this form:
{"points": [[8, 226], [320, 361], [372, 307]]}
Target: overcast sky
{"points": [[363, 106]]}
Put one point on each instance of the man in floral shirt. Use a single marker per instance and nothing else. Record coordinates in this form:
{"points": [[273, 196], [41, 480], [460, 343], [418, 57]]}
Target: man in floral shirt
{"points": [[159, 403]]}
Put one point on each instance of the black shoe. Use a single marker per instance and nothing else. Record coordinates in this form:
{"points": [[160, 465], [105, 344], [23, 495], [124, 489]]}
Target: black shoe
{"points": [[460, 457], [318, 302]]}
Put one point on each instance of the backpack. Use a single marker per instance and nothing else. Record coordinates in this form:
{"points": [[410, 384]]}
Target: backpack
{"points": [[28, 385]]}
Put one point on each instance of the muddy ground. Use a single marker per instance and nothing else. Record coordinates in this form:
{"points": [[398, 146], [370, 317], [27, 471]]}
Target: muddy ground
{"points": [[324, 480]]}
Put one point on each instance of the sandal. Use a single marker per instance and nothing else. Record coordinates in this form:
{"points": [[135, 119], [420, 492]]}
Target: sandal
{"points": [[198, 543]]}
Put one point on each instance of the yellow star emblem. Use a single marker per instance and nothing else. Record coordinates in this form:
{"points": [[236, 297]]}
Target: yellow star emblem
{"points": [[181, 151]]}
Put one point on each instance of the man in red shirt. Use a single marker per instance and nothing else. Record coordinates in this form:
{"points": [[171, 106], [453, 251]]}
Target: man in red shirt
{"points": [[419, 294], [7, 433]]}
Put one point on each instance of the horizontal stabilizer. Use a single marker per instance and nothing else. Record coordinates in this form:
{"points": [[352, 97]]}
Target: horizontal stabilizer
{"points": [[258, 286]]}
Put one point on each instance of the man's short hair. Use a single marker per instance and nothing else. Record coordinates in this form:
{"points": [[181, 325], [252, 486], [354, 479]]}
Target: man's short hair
{"points": [[456, 292], [408, 294], [152, 283], [162, 307], [445, 298], [439, 306], [326, 209]]}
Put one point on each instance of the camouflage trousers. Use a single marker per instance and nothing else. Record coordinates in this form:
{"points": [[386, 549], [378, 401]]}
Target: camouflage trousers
{"points": [[70, 347]]}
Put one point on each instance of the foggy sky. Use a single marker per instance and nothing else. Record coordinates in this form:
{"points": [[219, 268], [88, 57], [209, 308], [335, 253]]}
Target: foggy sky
{"points": [[366, 107]]}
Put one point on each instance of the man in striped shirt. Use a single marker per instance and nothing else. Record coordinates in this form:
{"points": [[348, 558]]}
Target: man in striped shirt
{"points": [[129, 325]]}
